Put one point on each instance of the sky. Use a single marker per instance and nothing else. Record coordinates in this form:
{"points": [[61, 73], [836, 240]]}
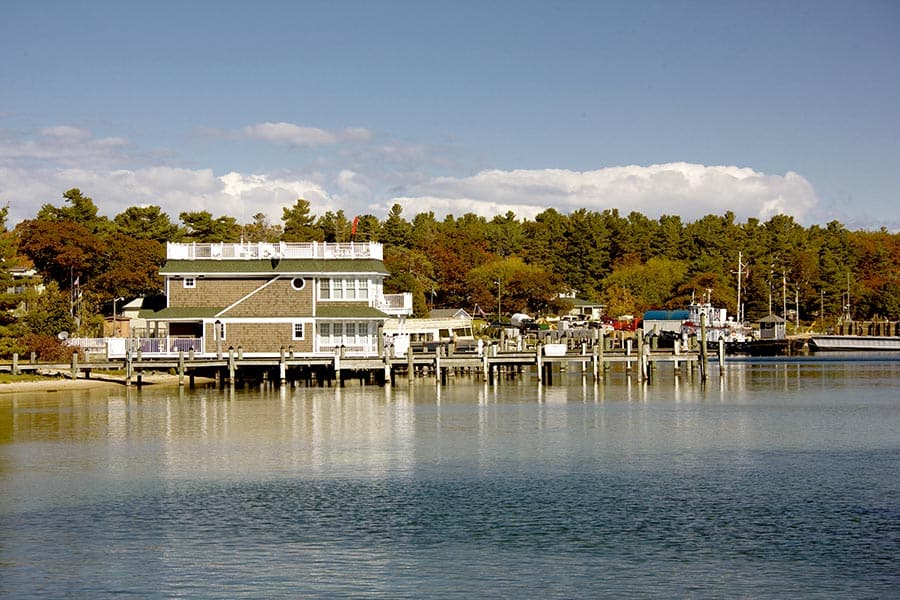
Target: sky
{"points": [[665, 108]]}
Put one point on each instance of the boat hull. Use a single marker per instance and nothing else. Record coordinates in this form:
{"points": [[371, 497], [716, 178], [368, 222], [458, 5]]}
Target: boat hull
{"points": [[830, 343]]}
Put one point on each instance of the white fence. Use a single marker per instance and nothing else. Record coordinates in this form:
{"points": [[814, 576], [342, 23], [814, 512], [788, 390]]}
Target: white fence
{"points": [[118, 347]]}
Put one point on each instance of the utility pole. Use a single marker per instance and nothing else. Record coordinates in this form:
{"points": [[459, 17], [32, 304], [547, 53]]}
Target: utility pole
{"points": [[740, 275], [783, 295]]}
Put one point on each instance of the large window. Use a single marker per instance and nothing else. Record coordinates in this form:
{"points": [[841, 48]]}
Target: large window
{"points": [[343, 334], [344, 289]]}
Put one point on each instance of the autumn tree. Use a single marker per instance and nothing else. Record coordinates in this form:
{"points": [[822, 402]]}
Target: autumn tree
{"points": [[652, 284], [61, 250], [518, 286], [132, 268]]}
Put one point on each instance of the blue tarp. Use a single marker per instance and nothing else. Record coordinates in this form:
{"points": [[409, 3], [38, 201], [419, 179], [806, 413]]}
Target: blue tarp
{"points": [[666, 315]]}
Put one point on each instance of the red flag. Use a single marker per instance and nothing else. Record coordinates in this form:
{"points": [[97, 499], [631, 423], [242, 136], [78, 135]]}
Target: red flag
{"points": [[355, 223]]}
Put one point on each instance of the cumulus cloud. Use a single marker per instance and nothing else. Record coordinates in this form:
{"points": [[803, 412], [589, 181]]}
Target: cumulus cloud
{"points": [[688, 190], [174, 190], [297, 135], [37, 169]]}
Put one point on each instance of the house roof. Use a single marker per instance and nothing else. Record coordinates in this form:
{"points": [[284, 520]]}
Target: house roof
{"points": [[449, 313], [772, 319], [284, 266], [583, 303]]}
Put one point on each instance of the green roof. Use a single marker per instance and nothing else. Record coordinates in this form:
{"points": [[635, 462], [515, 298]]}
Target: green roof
{"points": [[287, 266], [349, 312], [182, 312]]}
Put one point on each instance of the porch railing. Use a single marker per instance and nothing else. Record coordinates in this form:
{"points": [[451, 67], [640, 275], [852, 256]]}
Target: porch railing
{"points": [[118, 347], [272, 250]]}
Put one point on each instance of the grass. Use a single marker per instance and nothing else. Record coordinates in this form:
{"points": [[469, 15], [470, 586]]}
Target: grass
{"points": [[8, 378]]}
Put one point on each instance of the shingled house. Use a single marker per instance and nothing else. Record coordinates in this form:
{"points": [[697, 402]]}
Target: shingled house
{"points": [[261, 297]]}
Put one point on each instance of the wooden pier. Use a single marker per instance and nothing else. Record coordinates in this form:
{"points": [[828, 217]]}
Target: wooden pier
{"points": [[595, 361]]}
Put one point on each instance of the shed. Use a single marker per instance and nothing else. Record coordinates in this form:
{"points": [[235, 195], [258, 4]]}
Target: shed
{"points": [[772, 328]]}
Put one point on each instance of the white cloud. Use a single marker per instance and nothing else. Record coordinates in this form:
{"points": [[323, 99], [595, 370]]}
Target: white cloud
{"points": [[66, 146], [297, 135], [688, 190], [174, 190], [66, 132]]}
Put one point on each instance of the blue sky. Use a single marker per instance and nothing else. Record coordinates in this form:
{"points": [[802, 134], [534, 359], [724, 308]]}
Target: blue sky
{"points": [[685, 108]]}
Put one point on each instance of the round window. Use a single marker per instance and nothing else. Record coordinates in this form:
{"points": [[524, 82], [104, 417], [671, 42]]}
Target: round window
{"points": [[298, 283]]}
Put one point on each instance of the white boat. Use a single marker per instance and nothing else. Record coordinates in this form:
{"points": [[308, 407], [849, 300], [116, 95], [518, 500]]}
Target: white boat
{"points": [[882, 343], [718, 324], [555, 349]]}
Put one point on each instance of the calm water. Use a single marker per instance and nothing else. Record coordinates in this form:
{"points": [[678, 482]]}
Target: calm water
{"points": [[780, 480]]}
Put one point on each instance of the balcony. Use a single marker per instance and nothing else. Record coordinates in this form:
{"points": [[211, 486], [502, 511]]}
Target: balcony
{"points": [[396, 305], [270, 250]]}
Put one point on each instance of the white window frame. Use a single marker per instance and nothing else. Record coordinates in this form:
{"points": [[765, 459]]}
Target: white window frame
{"points": [[190, 282], [344, 288], [302, 326]]}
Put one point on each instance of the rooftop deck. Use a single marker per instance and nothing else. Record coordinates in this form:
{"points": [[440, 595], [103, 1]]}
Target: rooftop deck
{"points": [[270, 250]]}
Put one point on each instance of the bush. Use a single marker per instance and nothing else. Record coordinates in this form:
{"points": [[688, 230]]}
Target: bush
{"points": [[49, 348]]}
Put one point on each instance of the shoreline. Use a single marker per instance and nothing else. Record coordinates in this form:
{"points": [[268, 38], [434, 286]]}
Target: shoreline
{"points": [[51, 384]]}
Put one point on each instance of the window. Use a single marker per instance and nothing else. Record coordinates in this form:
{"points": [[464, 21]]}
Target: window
{"points": [[344, 289], [190, 282], [298, 331], [298, 283]]}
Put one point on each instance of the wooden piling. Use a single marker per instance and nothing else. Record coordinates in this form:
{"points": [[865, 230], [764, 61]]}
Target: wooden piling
{"points": [[703, 348]]}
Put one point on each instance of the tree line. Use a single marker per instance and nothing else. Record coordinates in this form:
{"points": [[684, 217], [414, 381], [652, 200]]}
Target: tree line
{"points": [[629, 263]]}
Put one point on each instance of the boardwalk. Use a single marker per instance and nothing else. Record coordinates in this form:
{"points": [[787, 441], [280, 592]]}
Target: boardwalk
{"points": [[330, 369]]}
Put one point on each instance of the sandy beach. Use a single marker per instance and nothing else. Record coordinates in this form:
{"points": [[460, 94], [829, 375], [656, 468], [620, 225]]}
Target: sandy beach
{"points": [[50, 384]]}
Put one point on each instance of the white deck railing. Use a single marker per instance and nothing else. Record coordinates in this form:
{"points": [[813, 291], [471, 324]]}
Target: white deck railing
{"points": [[272, 250], [118, 347], [396, 304]]}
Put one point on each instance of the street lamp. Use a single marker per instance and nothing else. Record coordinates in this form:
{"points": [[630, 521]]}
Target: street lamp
{"points": [[498, 300], [115, 323]]}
